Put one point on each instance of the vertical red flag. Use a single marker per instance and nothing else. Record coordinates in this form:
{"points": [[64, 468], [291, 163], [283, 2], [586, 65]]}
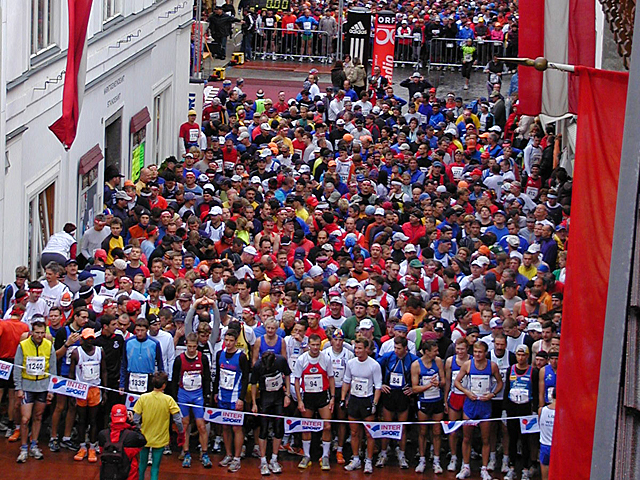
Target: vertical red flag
{"points": [[595, 186], [383, 43], [75, 74]]}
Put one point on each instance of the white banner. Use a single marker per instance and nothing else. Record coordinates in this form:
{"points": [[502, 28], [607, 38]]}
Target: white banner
{"points": [[384, 430], [224, 417], [529, 424], [131, 400], [5, 370], [297, 425], [67, 387]]}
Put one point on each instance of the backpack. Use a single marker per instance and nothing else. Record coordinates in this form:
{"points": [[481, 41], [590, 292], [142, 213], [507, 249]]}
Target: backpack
{"points": [[114, 463]]}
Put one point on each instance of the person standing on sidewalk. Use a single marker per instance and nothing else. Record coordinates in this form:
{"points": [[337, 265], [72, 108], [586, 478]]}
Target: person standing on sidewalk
{"points": [[34, 363]]}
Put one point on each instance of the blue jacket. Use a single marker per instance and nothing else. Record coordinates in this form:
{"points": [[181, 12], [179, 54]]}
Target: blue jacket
{"points": [[140, 357]]}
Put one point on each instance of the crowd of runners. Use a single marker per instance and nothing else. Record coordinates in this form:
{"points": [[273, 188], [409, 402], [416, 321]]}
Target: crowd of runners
{"points": [[366, 253]]}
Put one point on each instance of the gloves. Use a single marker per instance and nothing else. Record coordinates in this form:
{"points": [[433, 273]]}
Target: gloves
{"points": [[373, 409], [181, 438]]}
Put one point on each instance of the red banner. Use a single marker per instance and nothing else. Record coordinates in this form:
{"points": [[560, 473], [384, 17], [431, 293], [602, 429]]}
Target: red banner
{"points": [[595, 187], [383, 43]]}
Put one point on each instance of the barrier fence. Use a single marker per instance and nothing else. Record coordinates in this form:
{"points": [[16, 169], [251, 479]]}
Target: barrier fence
{"points": [[447, 52], [73, 388], [286, 44]]}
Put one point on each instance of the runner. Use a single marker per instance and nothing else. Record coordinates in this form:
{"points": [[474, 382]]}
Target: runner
{"points": [[191, 389], [314, 377], [477, 405], [153, 413], [428, 379], [396, 392], [271, 376], [547, 417], [230, 387], [142, 358], [454, 396], [88, 365], [361, 390], [547, 378]]}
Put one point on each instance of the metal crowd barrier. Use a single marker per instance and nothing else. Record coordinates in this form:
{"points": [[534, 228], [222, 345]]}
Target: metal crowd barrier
{"points": [[446, 52], [407, 51], [282, 44]]}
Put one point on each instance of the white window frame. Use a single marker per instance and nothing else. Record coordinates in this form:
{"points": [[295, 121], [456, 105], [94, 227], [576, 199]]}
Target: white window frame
{"points": [[111, 9], [162, 141], [50, 26]]}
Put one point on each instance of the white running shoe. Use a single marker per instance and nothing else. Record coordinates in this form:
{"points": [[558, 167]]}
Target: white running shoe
{"points": [[368, 466], [511, 474], [465, 472], [422, 465], [264, 469], [402, 461], [505, 466], [436, 467], [354, 464], [491, 466], [484, 474], [226, 461], [525, 474], [453, 464]]}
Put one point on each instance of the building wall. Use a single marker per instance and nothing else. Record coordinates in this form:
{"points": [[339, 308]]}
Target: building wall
{"points": [[122, 79]]}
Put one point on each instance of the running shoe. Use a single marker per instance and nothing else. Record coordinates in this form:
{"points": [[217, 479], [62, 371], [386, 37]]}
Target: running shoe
{"points": [[9, 432], [206, 461], [465, 472], [402, 462], [54, 445], [15, 436], [69, 445], [35, 452], [525, 474], [422, 465], [354, 464], [304, 463], [511, 474], [485, 475], [226, 461], [275, 467], [217, 445], [505, 466], [437, 468], [264, 469], [255, 453], [92, 457], [491, 466], [234, 466], [324, 463], [382, 460], [186, 461], [340, 458], [24, 454], [368, 466], [181, 455], [453, 464], [82, 453], [167, 450]]}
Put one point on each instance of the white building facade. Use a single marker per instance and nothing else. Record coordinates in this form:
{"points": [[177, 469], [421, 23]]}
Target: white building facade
{"points": [[136, 97]]}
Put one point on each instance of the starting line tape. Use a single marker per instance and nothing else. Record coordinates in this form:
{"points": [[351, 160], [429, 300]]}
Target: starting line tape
{"points": [[76, 389]]}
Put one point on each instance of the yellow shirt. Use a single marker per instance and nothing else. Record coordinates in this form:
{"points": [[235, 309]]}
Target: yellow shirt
{"points": [[156, 409], [303, 214], [530, 272], [113, 244]]}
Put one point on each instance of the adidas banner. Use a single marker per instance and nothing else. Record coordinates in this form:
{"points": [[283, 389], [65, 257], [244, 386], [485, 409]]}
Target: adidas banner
{"points": [[357, 33]]}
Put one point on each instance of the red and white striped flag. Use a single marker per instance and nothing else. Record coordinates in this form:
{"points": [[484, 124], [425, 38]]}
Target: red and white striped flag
{"points": [[562, 31], [74, 82]]}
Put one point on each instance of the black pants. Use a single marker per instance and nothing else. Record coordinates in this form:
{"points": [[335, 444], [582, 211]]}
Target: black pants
{"points": [[513, 427]]}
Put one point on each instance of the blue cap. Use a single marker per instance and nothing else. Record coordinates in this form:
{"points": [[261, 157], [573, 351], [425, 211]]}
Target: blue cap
{"points": [[84, 275], [360, 178]]}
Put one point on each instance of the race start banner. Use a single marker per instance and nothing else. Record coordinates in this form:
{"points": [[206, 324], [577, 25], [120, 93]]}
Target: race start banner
{"points": [[224, 417], [68, 387], [384, 430], [384, 42], [297, 425], [5, 370], [131, 400], [529, 424]]}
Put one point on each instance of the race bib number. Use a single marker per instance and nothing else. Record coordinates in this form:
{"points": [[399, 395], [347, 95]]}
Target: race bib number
{"points": [[479, 384], [519, 395], [67, 357], [431, 392], [191, 381], [290, 27], [194, 134], [214, 116], [229, 165], [138, 382], [338, 369], [532, 192], [268, 22], [35, 366], [359, 387], [273, 384], [494, 78], [313, 383], [306, 25], [468, 57], [396, 380], [435, 32], [91, 371], [457, 172], [227, 379]]}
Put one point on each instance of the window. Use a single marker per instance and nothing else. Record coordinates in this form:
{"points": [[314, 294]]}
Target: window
{"points": [[160, 123], [41, 218], [112, 8], [42, 25]]}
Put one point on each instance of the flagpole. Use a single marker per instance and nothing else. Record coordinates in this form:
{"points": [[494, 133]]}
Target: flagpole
{"points": [[541, 64]]}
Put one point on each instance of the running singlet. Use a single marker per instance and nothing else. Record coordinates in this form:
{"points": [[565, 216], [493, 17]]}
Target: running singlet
{"points": [[520, 389], [230, 377], [549, 381], [339, 364], [313, 372], [88, 369], [277, 348], [479, 380], [191, 370], [66, 360], [294, 350], [455, 369], [431, 394], [503, 366]]}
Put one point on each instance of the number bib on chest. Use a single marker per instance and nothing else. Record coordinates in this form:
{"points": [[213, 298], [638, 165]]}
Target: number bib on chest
{"points": [[67, 357], [432, 392], [138, 382], [91, 371], [191, 381], [35, 366], [359, 387], [479, 384], [338, 369], [519, 395], [227, 379], [273, 384], [313, 383], [396, 380]]}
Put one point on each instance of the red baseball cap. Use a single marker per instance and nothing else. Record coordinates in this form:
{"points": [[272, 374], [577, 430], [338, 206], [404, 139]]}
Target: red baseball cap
{"points": [[133, 305], [100, 254], [118, 414]]}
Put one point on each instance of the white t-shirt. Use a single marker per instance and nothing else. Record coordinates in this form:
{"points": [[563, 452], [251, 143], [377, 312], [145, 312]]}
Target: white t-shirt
{"points": [[547, 418], [332, 322], [513, 343], [338, 363], [388, 346], [363, 377]]}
